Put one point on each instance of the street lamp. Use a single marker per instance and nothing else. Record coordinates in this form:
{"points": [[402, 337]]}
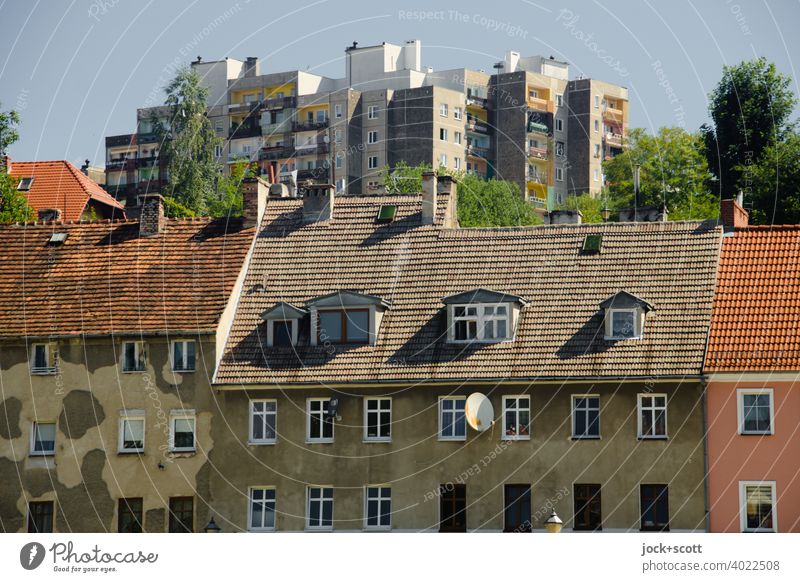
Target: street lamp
{"points": [[553, 523], [212, 526]]}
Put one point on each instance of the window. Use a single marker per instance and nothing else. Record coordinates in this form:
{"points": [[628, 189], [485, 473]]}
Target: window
{"points": [[343, 326], [322, 115], [218, 127], [129, 515], [282, 332], [133, 359], [25, 184], [372, 112], [457, 112], [559, 174], [586, 417], [452, 507], [480, 322], [262, 509], [246, 149], [372, 162], [42, 362], [457, 163], [755, 411], [319, 510], [559, 100], [596, 126], [337, 136], [655, 507], [43, 438], [533, 94], [517, 509], [452, 421], [757, 506], [597, 101], [597, 150], [263, 421], [559, 148], [40, 516], [587, 508], [443, 160], [131, 431], [181, 514], [320, 425], [338, 161], [457, 137], [182, 431], [337, 110], [378, 419], [217, 151], [442, 134], [443, 109], [372, 137], [652, 416], [378, 507], [623, 322], [596, 175], [183, 356], [516, 417]]}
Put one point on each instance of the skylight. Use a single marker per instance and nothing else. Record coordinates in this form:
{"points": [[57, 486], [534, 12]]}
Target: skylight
{"points": [[592, 243], [57, 238], [386, 213], [25, 184]]}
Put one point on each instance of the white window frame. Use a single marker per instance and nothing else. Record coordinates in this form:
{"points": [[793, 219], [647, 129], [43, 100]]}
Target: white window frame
{"points": [[372, 162], [454, 437], [442, 134], [559, 99], [443, 110], [372, 136], [139, 351], [740, 394], [575, 397], [337, 110], [597, 101], [218, 151], [261, 528], [185, 355], [379, 499], [378, 439], [640, 408], [126, 416], [49, 452], [559, 125], [25, 184], [443, 160], [457, 137], [372, 112], [597, 126], [457, 163], [516, 437], [50, 355], [322, 500], [596, 175], [457, 113], [480, 319], [309, 439], [176, 415], [251, 424], [560, 148], [637, 323], [743, 485], [559, 175]]}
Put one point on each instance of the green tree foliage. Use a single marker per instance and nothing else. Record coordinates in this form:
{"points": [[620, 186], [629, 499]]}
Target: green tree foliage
{"points": [[591, 207], [9, 120], [673, 171], [491, 203], [228, 200], [174, 209], [750, 109], [403, 179], [188, 141], [13, 203], [773, 184]]}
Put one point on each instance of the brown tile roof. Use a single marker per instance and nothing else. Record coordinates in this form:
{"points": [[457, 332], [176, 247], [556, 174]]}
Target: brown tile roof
{"points": [[757, 302], [670, 265], [105, 278], [59, 184]]}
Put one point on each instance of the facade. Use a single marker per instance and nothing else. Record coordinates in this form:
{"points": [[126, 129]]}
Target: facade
{"points": [[371, 320], [753, 389], [519, 124], [109, 334]]}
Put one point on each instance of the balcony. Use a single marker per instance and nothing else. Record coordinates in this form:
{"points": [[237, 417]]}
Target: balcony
{"points": [[311, 149], [538, 128], [276, 152], [317, 175], [150, 137], [121, 140], [276, 128], [120, 165], [119, 190], [477, 101], [477, 126], [613, 140], [536, 177], [612, 113], [279, 103], [147, 162], [537, 153], [538, 104], [243, 107], [243, 131], [478, 152], [309, 125]]}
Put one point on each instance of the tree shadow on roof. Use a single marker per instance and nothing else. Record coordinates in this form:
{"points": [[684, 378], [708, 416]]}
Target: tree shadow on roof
{"points": [[588, 340], [389, 230]]}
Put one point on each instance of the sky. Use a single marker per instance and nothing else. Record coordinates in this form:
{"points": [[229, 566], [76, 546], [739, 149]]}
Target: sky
{"points": [[77, 70]]}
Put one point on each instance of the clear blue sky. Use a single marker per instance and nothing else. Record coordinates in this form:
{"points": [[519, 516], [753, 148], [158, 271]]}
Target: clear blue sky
{"points": [[76, 71]]}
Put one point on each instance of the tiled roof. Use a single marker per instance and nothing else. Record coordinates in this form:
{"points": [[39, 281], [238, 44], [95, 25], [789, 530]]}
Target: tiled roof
{"points": [[105, 278], [757, 303], [670, 265], [59, 184]]}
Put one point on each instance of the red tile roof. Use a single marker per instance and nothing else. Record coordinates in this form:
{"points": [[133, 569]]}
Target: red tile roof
{"points": [[756, 313], [105, 278], [59, 184]]}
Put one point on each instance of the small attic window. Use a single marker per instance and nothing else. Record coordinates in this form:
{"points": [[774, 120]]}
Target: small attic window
{"points": [[57, 238], [386, 213], [25, 184], [592, 243], [625, 315]]}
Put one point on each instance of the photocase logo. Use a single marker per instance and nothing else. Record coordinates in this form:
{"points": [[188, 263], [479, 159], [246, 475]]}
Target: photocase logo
{"points": [[31, 555]]}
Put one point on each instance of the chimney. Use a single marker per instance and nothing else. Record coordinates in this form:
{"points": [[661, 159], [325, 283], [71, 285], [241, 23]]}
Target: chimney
{"points": [[151, 215], [252, 67], [49, 214], [446, 185], [563, 217], [85, 167], [318, 202], [254, 201], [279, 191], [732, 215], [429, 189]]}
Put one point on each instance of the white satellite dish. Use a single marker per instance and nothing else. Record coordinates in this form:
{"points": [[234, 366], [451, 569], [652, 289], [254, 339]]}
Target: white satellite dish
{"points": [[479, 412]]}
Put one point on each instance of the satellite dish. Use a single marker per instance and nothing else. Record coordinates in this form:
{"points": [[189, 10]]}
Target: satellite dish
{"points": [[479, 412]]}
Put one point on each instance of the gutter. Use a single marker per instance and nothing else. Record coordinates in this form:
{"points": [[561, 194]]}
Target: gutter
{"points": [[164, 333]]}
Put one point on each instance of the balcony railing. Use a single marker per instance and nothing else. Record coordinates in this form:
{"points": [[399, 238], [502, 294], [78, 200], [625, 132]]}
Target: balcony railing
{"points": [[614, 140], [121, 140], [477, 126], [276, 152], [276, 128], [478, 152], [309, 125], [311, 149], [316, 174], [537, 177], [279, 103], [245, 131], [479, 101], [538, 153], [119, 165], [539, 128], [612, 113], [539, 104], [241, 107], [146, 138], [147, 162]]}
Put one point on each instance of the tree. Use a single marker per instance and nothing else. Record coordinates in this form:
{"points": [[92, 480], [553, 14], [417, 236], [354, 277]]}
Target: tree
{"points": [[403, 178], [775, 183], [188, 142], [673, 170], [589, 206], [228, 199], [750, 109], [13, 203], [492, 203], [8, 130]]}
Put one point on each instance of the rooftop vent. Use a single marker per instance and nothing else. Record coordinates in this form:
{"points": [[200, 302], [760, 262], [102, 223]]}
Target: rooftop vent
{"points": [[386, 213], [57, 238]]}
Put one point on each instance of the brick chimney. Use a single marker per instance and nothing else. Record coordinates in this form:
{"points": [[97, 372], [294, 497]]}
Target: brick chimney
{"points": [[252, 67], [446, 185], [151, 215], [732, 215], [429, 189], [254, 194], [318, 202], [563, 217]]}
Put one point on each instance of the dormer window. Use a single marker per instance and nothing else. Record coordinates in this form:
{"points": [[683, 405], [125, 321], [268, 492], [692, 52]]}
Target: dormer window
{"points": [[283, 324], [482, 315], [346, 317], [625, 316]]}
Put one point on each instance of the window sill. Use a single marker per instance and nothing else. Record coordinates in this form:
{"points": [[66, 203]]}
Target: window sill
{"points": [[183, 453], [183, 371], [751, 433], [261, 529], [653, 438], [758, 530], [515, 438], [259, 443], [39, 454], [585, 438], [654, 529], [452, 439], [311, 529], [374, 528], [131, 452], [44, 372], [133, 371], [319, 441], [376, 440]]}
